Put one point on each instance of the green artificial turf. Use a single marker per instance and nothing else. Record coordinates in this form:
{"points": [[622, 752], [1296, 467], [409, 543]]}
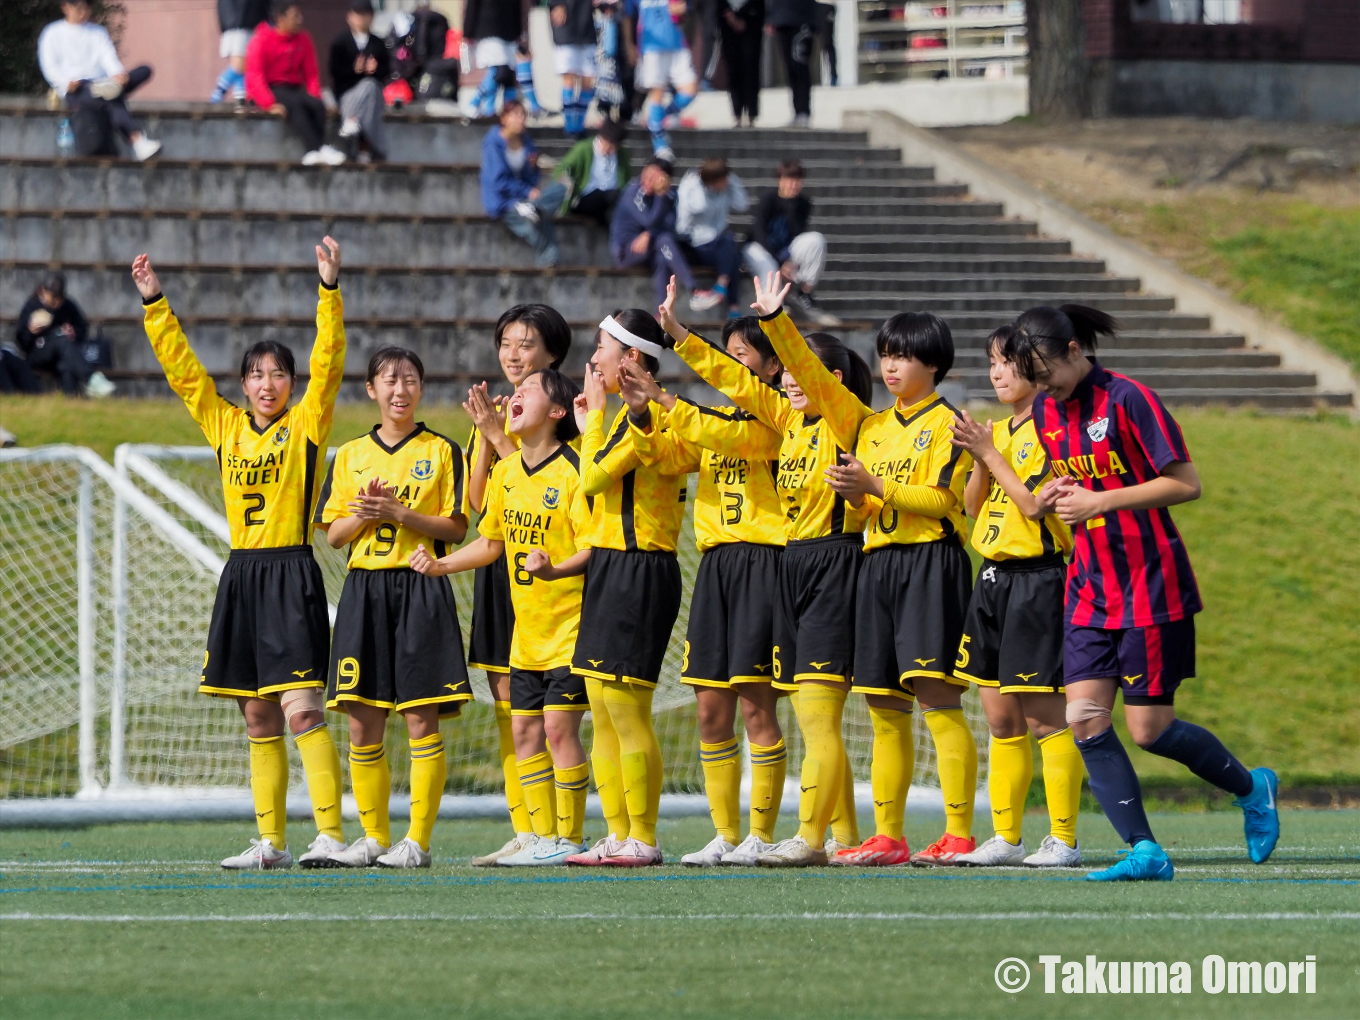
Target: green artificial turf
{"points": [[81, 938]]}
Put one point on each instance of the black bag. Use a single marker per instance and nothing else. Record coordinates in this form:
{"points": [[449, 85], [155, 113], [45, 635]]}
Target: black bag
{"points": [[97, 352], [93, 130]]}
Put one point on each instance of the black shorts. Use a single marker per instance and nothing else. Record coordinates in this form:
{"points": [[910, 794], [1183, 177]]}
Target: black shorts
{"points": [[397, 643], [1148, 662], [629, 607], [730, 638], [909, 615], [270, 630], [493, 618], [814, 624], [1013, 633], [534, 691]]}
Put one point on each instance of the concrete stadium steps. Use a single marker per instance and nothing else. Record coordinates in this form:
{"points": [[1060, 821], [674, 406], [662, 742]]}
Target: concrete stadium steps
{"points": [[834, 285]]}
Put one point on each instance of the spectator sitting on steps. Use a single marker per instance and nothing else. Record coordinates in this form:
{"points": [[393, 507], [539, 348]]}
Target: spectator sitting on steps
{"points": [[595, 171], [281, 77], [360, 67], [237, 20], [79, 61], [781, 241], [51, 333], [643, 234], [707, 197], [510, 190]]}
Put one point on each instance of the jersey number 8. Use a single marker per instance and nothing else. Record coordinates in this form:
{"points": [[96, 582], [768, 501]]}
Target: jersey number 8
{"points": [[522, 576]]}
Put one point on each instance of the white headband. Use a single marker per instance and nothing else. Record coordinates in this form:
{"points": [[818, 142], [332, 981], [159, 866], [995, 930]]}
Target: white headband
{"points": [[611, 326]]}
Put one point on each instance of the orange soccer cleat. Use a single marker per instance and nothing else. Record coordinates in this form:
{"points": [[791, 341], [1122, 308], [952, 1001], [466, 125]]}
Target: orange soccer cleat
{"points": [[944, 851], [875, 852]]}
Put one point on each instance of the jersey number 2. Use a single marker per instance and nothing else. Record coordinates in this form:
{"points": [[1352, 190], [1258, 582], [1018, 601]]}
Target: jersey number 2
{"points": [[254, 515]]}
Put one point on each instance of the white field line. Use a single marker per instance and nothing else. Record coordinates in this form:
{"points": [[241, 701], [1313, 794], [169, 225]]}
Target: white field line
{"points": [[1015, 915]]}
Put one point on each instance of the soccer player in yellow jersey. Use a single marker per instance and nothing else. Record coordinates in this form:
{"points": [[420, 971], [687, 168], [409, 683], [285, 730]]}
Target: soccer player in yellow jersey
{"points": [[739, 527], [397, 642], [1013, 633], [527, 338], [269, 638], [814, 641], [538, 521], [632, 596], [913, 588]]}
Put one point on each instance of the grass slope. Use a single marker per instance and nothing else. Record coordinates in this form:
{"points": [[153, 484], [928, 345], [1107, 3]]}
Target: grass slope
{"points": [[663, 943]]}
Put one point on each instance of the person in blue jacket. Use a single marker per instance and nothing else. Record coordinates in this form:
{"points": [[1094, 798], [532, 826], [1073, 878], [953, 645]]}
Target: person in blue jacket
{"points": [[510, 185]]}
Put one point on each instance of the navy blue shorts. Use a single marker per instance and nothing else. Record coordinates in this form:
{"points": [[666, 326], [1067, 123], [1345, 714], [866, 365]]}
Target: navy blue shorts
{"points": [[1149, 662]]}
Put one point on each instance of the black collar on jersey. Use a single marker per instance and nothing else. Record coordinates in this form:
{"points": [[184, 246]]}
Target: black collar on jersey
{"points": [[531, 471], [1015, 426], [904, 422], [1096, 377], [272, 421], [810, 419], [389, 450]]}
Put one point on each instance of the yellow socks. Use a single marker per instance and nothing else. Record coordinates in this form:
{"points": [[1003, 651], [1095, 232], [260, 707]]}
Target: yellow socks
{"points": [[845, 819], [371, 781], [819, 716], [956, 760], [722, 783], [630, 710], [893, 763], [514, 796], [1009, 771], [428, 773], [571, 800], [321, 762], [604, 762], [269, 786], [768, 767], [1063, 770], [535, 779]]}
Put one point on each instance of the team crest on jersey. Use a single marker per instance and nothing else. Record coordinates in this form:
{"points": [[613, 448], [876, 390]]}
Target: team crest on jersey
{"points": [[812, 443], [923, 440], [281, 436], [551, 497], [423, 470], [1023, 455], [1096, 428]]}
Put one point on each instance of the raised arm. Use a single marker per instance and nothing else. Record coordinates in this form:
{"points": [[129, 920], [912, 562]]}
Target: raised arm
{"points": [[655, 445], [734, 433], [328, 353], [604, 458]]}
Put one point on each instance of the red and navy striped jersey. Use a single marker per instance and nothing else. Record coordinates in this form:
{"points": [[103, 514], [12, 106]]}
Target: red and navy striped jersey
{"points": [[1130, 568]]}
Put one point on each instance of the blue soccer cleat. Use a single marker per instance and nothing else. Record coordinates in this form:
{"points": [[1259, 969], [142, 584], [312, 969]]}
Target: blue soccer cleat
{"points": [[1146, 862], [1260, 816]]}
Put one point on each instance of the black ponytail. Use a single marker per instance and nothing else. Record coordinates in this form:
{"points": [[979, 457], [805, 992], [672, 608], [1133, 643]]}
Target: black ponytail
{"points": [[855, 374], [1044, 334]]}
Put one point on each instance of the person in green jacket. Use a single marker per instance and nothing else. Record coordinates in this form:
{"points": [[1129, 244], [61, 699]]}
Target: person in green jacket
{"points": [[595, 171]]}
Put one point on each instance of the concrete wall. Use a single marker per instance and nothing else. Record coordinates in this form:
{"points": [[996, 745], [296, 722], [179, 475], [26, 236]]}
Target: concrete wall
{"points": [[1314, 92], [178, 38]]}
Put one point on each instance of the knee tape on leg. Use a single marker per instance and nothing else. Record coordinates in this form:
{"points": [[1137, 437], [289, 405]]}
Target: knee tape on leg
{"points": [[1080, 710], [306, 699]]}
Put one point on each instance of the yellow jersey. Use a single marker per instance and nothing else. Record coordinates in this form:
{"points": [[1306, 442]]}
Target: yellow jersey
{"points": [[426, 472], [1002, 532], [736, 457], [634, 506], [540, 508], [270, 476], [809, 444], [907, 448]]}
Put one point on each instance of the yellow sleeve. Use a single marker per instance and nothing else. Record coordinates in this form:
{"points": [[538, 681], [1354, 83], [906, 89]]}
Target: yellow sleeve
{"points": [[490, 525], [451, 481], [605, 461], [947, 470], [826, 394], [327, 362], [735, 433], [581, 520], [333, 503], [659, 447], [185, 373], [925, 500], [730, 377]]}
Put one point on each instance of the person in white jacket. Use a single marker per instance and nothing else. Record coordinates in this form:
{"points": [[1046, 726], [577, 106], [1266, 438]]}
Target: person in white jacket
{"points": [[79, 61], [707, 197]]}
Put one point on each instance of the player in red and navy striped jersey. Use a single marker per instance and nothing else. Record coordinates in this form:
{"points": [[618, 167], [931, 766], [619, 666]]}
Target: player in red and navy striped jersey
{"points": [[1120, 462]]}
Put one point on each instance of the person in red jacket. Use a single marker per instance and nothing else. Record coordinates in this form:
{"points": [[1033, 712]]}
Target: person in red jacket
{"points": [[281, 77]]}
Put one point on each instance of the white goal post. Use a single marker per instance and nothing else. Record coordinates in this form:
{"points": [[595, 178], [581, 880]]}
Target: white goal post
{"points": [[110, 572]]}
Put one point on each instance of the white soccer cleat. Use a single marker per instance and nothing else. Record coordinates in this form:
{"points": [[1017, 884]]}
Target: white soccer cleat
{"points": [[319, 852], [405, 854], [513, 845], [144, 148], [633, 853], [747, 852], [833, 846], [529, 854], [710, 856], [553, 853], [362, 853], [795, 852], [595, 856], [1054, 853], [262, 856], [995, 853]]}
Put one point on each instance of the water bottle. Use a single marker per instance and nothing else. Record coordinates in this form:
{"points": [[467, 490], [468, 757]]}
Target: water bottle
{"points": [[66, 139]]}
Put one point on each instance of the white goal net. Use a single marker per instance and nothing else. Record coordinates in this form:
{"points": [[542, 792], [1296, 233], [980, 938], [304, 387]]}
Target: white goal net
{"points": [[109, 576]]}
